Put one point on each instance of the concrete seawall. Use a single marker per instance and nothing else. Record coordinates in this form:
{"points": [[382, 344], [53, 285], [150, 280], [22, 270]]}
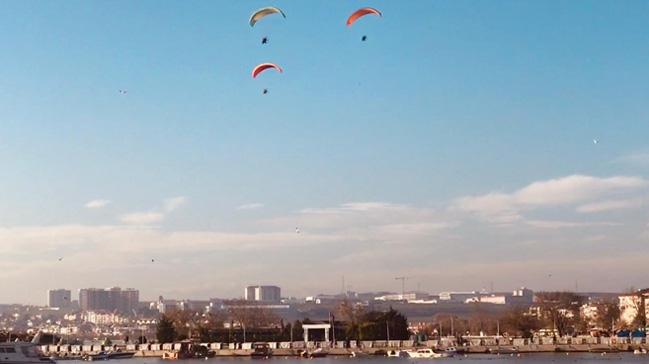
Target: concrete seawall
{"points": [[368, 347]]}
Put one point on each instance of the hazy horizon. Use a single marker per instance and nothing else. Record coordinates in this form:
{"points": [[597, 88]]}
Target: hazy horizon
{"points": [[462, 143]]}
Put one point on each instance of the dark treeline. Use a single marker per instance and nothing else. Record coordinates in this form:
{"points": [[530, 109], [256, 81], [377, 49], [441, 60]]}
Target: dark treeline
{"points": [[252, 324]]}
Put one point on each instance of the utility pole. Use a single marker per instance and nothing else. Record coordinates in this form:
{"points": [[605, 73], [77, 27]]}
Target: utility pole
{"points": [[452, 327], [387, 329]]}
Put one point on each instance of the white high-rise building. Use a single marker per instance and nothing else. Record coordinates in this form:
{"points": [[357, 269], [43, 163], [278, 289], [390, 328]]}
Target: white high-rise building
{"points": [[263, 293]]}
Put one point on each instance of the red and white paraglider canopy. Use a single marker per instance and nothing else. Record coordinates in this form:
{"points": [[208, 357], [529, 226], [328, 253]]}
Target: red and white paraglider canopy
{"points": [[265, 66]]}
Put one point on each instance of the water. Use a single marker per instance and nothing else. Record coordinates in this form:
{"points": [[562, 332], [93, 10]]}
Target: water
{"points": [[582, 358]]}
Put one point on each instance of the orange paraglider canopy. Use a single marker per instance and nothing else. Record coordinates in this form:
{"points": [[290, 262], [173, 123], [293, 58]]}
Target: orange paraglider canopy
{"points": [[361, 13], [264, 66]]}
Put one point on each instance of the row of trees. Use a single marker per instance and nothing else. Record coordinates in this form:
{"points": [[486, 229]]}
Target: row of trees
{"points": [[555, 312], [245, 322]]}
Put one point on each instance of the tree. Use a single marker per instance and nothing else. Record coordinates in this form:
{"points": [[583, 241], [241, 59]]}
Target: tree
{"points": [[560, 310], [638, 305], [608, 313], [250, 315], [517, 321], [352, 315], [209, 324], [376, 325], [166, 332]]}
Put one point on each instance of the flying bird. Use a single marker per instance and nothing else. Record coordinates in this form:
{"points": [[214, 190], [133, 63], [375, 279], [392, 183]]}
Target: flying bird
{"points": [[264, 40], [364, 38], [265, 91], [152, 260], [595, 141], [297, 230], [123, 92], [60, 259]]}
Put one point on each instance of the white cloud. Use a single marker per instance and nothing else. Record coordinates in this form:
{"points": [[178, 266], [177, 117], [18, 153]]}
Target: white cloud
{"points": [[97, 204], [250, 206], [142, 218], [155, 216], [360, 239], [558, 224], [505, 208], [173, 203], [493, 207], [610, 205], [575, 188]]}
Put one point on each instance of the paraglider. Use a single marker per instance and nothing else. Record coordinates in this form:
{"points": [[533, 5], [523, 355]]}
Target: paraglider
{"points": [[263, 12], [263, 67], [361, 13]]}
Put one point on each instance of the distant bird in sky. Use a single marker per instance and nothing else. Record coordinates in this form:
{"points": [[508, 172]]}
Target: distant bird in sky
{"points": [[264, 40], [152, 260], [265, 91], [364, 38], [123, 92], [60, 259], [297, 230], [595, 141]]}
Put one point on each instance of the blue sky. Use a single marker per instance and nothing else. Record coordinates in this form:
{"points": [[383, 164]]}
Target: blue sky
{"points": [[445, 103]]}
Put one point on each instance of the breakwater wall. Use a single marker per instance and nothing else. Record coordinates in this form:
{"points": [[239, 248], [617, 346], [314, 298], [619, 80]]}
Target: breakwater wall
{"points": [[470, 346]]}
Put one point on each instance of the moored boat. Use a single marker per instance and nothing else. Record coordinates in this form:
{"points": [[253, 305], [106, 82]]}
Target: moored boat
{"points": [[20, 352], [261, 351], [317, 353], [426, 354]]}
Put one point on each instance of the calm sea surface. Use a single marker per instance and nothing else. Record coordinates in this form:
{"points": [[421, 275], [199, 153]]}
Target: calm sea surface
{"points": [[622, 358]]}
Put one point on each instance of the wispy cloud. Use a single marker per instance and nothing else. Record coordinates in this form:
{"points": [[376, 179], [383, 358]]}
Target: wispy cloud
{"points": [[506, 208], [154, 216], [610, 205], [142, 218], [97, 204], [250, 206], [173, 203]]}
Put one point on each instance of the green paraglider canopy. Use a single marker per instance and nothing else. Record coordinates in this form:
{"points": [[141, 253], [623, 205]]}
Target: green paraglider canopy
{"points": [[263, 12]]}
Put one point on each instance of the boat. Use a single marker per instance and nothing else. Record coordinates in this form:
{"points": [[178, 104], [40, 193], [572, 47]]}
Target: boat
{"points": [[451, 350], [261, 351], [20, 352], [109, 355], [426, 354], [397, 354], [358, 354], [175, 355], [120, 354], [317, 353], [170, 355]]}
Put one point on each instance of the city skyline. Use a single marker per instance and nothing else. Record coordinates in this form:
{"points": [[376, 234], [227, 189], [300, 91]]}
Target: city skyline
{"points": [[462, 143]]}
